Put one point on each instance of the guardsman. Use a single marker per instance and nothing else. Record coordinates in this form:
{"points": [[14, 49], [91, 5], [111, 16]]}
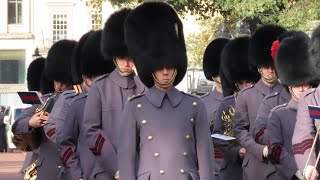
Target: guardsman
{"points": [[249, 100], [270, 101], [165, 132], [108, 94], [294, 69], [236, 75], [75, 153], [211, 68], [58, 69], [29, 119], [306, 127]]}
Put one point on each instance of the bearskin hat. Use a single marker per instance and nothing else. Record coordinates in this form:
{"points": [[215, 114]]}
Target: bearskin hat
{"points": [[34, 74], [76, 56], [293, 63], [58, 62], [235, 64], [211, 58], [91, 62], [261, 43], [315, 51], [113, 42], [154, 35], [46, 85]]}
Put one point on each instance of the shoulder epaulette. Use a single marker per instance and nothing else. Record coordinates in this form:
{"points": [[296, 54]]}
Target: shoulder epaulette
{"points": [[192, 95], [279, 106], [135, 96], [311, 91], [272, 95], [246, 88], [100, 77], [68, 93], [227, 97], [205, 95], [307, 93], [81, 96]]}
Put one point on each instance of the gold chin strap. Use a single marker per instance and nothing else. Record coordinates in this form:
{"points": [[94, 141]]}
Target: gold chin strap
{"points": [[124, 74], [268, 80], [169, 82], [295, 97], [216, 80], [77, 89]]}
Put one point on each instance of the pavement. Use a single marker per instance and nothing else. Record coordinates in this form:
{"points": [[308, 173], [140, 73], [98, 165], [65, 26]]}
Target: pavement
{"points": [[10, 164]]}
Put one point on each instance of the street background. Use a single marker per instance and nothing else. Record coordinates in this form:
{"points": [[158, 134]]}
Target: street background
{"points": [[10, 164]]}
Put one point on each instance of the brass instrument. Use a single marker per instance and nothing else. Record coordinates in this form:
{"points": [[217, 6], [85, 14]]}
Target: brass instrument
{"points": [[31, 140], [44, 107], [211, 124], [30, 173], [228, 121]]}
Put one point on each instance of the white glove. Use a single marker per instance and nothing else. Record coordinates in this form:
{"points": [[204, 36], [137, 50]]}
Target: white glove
{"points": [[308, 172], [116, 176], [299, 175], [265, 152]]}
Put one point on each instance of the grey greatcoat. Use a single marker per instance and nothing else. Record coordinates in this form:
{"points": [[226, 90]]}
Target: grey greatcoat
{"points": [[246, 109], [211, 102], [231, 165], [53, 129], [104, 105], [268, 103], [48, 167], [21, 125], [75, 153], [305, 129], [167, 134], [281, 125]]}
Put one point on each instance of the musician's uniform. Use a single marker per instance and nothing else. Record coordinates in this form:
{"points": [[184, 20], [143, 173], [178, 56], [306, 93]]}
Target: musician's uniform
{"points": [[211, 68], [166, 134], [250, 99], [268, 103]]}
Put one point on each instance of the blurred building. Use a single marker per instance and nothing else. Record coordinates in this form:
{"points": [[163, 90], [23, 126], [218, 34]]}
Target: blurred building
{"points": [[29, 24]]}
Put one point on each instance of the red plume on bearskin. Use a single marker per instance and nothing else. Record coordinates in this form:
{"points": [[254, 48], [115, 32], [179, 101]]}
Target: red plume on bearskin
{"points": [[274, 49]]}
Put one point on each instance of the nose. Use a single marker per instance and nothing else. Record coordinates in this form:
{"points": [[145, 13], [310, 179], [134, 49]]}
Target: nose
{"points": [[165, 71]]}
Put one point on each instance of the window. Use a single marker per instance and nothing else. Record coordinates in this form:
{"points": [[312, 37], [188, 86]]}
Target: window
{"points": [[96, 21], [15, 12], [12, 66], [60, 28]]}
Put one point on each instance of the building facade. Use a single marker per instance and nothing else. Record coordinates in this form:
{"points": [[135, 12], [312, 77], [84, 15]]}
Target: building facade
{"points": [[29, 24]]}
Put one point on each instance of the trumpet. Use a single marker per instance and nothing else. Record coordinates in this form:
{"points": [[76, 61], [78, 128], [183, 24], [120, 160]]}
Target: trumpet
{"points": [[211, 124], [228, 121], [30, 173]]}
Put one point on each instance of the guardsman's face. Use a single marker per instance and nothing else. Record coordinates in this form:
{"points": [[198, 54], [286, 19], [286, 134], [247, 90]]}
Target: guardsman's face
{"points": [[243, 84], [164, 75], [299, 89], [268, 72], [125, 64]]}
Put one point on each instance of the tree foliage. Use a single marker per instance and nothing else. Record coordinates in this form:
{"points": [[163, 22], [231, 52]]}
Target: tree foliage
{"points": [[292, 14]]}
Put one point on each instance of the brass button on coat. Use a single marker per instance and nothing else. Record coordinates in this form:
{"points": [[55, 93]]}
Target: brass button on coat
{"points": [[162, 172], [139, 106], [195, 104], [182, 171], [192, 120], [185, 154], [150, 138], [156, 154], [144, 122], [188, 137]]}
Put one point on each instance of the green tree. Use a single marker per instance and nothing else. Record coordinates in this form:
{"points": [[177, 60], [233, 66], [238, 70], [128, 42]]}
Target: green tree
{"points": [[292, 14], [300, 14]]}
